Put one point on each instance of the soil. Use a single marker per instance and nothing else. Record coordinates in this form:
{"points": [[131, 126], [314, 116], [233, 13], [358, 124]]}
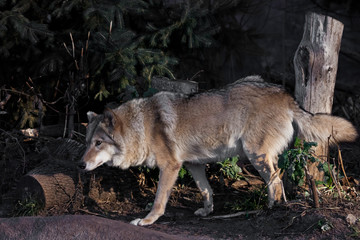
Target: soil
{"points": [[114, 194], [297, 219]]}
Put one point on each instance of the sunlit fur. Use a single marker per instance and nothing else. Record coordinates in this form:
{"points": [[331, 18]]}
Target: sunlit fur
{"points": [[169, 130]]}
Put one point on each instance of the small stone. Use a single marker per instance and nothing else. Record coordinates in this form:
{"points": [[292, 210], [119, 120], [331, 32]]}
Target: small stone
{"points": [[326, 227], [351, 219]]}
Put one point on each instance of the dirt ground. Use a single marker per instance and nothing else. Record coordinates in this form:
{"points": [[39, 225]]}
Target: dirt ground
{"points": [[110, 193], [337, 218]]}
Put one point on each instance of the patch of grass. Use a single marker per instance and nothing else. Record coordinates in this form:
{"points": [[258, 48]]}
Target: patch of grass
{"points": [[29, 206], [256, 199]]}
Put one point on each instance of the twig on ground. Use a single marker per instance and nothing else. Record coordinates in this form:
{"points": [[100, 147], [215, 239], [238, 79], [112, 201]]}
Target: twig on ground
{"points": [[91, 213], [243, 167], [304, 204], [232, 215], [312, 225]]}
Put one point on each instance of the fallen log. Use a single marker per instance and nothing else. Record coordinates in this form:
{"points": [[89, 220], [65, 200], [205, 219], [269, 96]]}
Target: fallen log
{"points": [[54, 182]]}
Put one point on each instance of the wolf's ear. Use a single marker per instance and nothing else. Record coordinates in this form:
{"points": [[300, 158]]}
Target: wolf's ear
{"points": [[91, 116], [109, 118]]}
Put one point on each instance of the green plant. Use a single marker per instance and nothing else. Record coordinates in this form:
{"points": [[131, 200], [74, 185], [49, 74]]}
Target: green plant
{"points": [[29, 206], [254, 200], [183, 172], [127, 41], [294, 161], [327, 181], [230, 169]]}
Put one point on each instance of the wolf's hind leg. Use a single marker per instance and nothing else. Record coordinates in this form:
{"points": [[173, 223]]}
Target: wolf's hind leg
{"points": [[198, 173], [264, 164], [275, 189]]}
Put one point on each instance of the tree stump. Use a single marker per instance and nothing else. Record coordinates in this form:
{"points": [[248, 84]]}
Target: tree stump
{"points": [[316, 63], [53, 183]]}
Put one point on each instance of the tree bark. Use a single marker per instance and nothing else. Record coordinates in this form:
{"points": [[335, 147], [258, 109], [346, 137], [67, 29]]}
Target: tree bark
{"points": [[54, 182], [49, 185], [316, 63]]}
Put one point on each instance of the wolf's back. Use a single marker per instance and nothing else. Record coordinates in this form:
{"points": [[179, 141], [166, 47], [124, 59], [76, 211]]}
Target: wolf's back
{"points": [[320, 127]]}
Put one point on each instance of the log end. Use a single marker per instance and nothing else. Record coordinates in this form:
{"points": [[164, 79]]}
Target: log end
{"points": [[51, 190], [29, 188]]}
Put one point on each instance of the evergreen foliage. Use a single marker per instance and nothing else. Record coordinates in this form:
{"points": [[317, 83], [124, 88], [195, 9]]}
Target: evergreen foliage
{"points": [[83, 51]]}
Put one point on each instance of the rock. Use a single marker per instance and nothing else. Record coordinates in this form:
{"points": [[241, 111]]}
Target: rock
{"points": [[351, 219], [75, 227]]}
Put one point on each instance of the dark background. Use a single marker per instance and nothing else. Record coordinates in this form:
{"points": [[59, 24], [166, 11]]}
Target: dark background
{"points": [[212, 42]]}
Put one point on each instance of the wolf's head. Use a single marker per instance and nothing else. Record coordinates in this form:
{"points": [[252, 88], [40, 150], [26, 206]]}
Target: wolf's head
{"points": [[104, 142]]}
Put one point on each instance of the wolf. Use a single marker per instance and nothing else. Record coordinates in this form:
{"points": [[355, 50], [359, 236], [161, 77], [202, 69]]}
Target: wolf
{"points": [[169, 130]]}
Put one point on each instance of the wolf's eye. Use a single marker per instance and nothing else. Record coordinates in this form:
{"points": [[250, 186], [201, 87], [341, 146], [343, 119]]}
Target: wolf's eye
{"points": [[98, 143]]}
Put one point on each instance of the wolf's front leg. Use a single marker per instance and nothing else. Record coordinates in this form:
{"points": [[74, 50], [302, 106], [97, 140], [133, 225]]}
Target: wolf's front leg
{"points": [[167, 180]]}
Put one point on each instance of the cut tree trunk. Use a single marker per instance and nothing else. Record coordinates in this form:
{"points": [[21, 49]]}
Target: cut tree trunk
{"points": [[54, 182], [51, 185], [316, 63]]}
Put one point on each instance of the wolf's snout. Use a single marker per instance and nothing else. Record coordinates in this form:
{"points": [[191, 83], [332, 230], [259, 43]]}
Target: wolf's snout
{"points": [[82, 165]]}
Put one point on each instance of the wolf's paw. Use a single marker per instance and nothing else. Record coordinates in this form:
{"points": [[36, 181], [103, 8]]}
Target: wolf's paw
{"points": [[136, 222], [202, 212], [142, 222], [275, 193]]}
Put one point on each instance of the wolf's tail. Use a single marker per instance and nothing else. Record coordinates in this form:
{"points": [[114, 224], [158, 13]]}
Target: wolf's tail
{"points": [[319, 127]]}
